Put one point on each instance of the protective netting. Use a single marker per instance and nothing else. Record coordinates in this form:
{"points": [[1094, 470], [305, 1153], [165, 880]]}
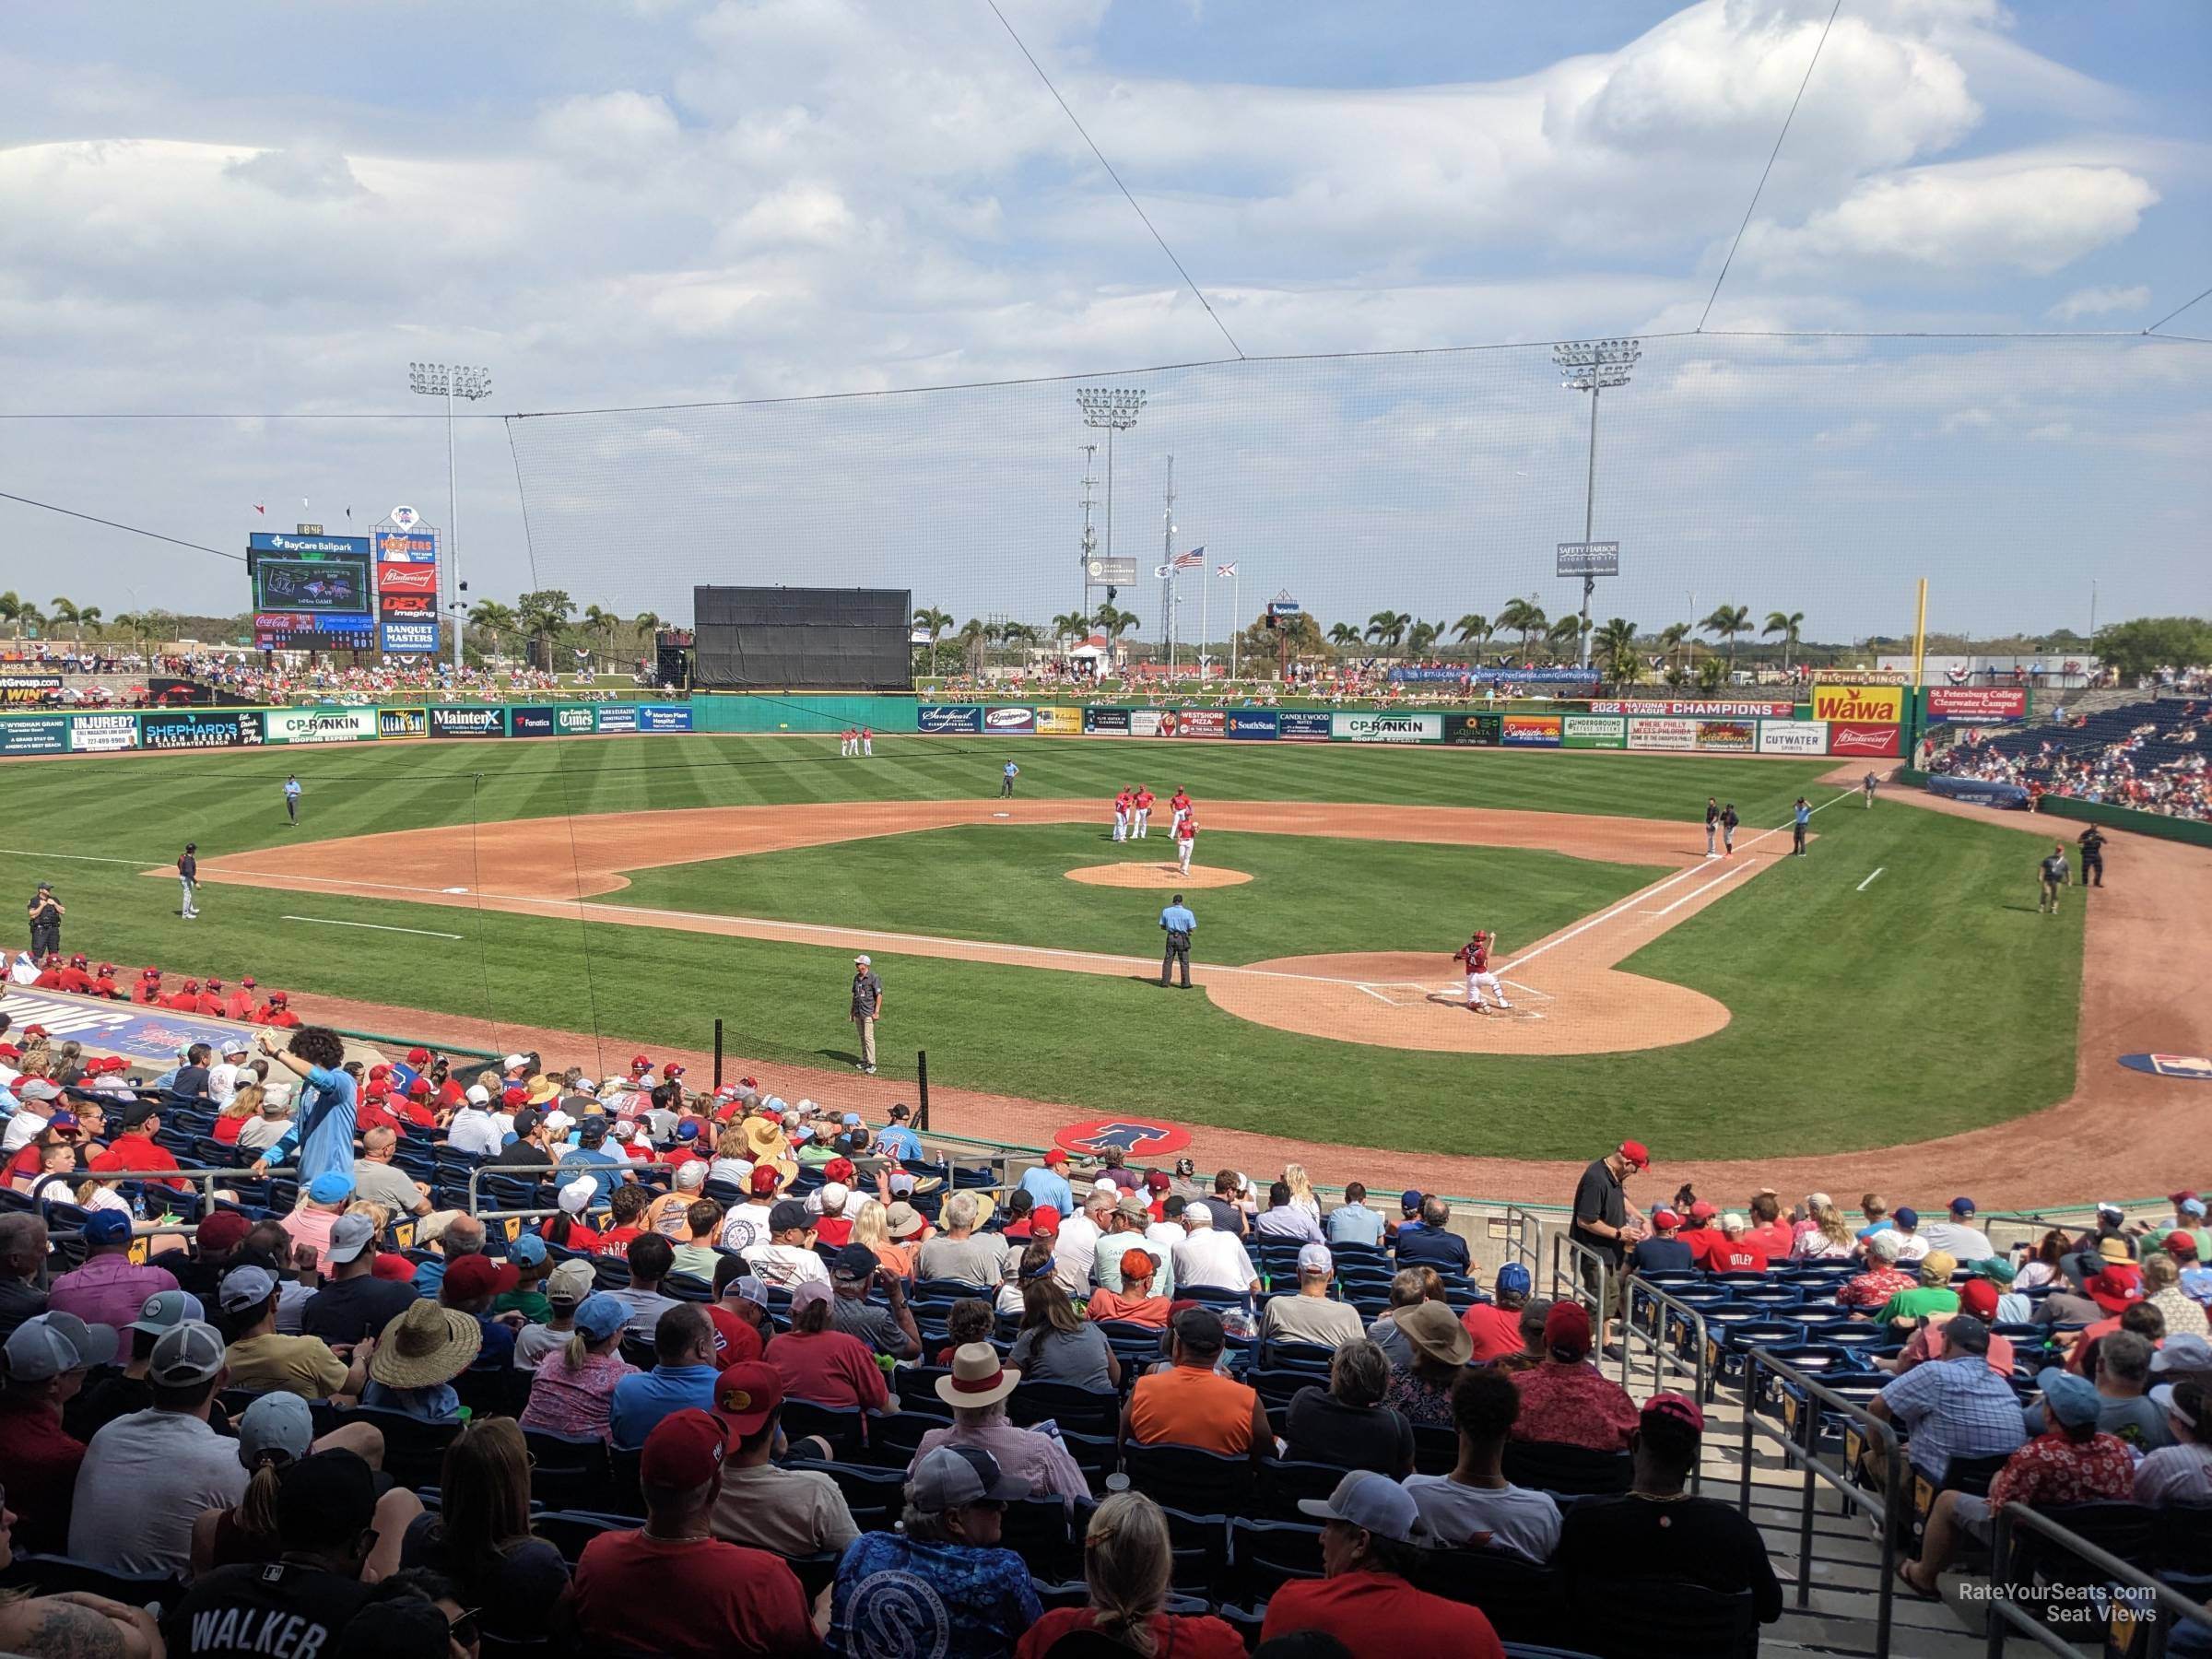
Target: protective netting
{"points": [[1820, 474]]}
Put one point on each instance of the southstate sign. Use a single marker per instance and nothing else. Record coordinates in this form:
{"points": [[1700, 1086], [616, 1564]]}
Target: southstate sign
{"points": [[1870, 704]]}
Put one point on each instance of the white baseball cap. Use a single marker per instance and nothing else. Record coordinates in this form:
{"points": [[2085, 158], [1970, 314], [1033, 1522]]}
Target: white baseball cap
{"points": [[862, 961], [478, 1095]]}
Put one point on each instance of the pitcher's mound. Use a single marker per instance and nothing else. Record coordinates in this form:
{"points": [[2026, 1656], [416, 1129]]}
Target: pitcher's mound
{"points": [[1160, 877]]}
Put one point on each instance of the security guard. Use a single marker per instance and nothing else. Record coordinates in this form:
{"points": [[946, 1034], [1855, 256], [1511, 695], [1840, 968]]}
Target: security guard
{"points": [[1180, 924], [2092, 841], [46, 912]]}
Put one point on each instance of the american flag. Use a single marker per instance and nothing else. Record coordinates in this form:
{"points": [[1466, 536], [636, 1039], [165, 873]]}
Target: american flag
{"points": [[1184, 561], [1227, 569]]}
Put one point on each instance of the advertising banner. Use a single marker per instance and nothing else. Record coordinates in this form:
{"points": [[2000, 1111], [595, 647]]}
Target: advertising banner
{"points": [[1867, 704], [1261, 726], [1984, 705], [1152, 722], [664, 717], [1387, 728], [407, 579], [1851, 738], [34, 735], [418, 546], [1981, 792], [1665, 733], [1728, 737], [102, 734], [1593, 731], [310, 546], [320, 726], [409, 639], [617, 717], [403, 723], [1059, 722], [1530, 730], [1475, 731], [1205, 722], [414, 606], [201, 728], [1588, 559], [468, 723], [1860, 677], [1792, 737], [535, 720], [1494, 677], [1302, 725], [948, 717], [1693, 706], [1106, 722], [1009, 720], [573, 720], [27, 687]]}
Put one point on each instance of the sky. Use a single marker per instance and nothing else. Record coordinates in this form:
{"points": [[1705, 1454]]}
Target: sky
{"points": [[260, 213]]}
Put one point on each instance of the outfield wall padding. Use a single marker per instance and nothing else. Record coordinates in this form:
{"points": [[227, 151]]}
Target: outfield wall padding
{"points": [[2188, 830]]}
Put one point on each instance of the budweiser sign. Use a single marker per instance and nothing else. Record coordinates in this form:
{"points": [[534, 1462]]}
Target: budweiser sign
{"points": [[1862, 739]]}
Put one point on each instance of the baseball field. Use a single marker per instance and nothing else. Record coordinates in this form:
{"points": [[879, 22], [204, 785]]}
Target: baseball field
{"points": [[638, 888]]}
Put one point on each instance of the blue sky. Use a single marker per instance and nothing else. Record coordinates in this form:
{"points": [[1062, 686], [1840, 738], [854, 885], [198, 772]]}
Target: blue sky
{"points": [[268, 210]]}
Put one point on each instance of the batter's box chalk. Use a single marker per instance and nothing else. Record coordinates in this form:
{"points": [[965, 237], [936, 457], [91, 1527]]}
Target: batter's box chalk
{"points": [[452, 889], [1002, 815]]}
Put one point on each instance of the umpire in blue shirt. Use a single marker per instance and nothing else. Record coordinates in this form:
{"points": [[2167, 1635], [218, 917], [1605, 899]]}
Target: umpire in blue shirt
{"points": [[1180, 925]]}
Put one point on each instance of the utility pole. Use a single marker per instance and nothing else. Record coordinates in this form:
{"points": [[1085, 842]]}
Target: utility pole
{"points": [[1115, 409], [1590, 366], [1090, 540], [440, 380], [1167, 566]]}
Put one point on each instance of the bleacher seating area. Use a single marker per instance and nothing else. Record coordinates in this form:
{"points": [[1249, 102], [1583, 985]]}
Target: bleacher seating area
{"points": [[1757, 1343], [2149, 757]]}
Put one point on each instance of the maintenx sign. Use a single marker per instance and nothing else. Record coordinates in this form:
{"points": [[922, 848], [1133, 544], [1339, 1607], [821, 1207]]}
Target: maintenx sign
{"points": [[468, 723]]}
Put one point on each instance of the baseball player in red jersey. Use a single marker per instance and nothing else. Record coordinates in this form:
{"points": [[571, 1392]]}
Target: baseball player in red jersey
{"points": [[239, 1005], [104, 983], [211, 999], [1142, 801], [50, 971], [1125, 809], [1476, 957], [1178, 804], [275, 1012], [186, 1001], [867, 741], [1186, 836], [147, 993], [77, 977]]}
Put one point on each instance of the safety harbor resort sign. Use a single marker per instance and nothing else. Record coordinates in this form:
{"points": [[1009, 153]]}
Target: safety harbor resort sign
{"points": [[1870, 704], [1387, 728]]}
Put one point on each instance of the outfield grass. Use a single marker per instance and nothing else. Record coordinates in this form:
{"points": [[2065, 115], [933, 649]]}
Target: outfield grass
{"points": [[1008, 883], [1933, 1000]]}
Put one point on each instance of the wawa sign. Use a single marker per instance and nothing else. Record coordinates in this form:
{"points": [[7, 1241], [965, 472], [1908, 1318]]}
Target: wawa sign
{"points": [[1870, 704]]}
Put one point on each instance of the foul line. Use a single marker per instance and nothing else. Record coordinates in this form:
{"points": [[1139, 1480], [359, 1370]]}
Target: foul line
{"points": [[378, 926], [72, 857], [1698, 892], [1869, 881]]}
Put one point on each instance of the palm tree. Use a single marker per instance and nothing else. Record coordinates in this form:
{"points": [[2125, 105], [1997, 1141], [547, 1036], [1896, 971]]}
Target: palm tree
{"points": [[65, 610], [1711, 672], [29, 618], [935, 622], [1474, 629], [1728, 621], [87, 619], [647, 626], [598, 623], [1114, 622], [1523, 617], [1070, 625], [11, 607], [1615, 644], [1421, 638], [974, 635], [1344, 636], [1671, 639], [1787, 624], [1387, 628], [498, 620], [543, 615], [1566, 632]]}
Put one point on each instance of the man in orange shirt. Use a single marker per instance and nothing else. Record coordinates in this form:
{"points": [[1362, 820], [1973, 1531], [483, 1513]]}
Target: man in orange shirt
{"points": [[1363, 1598], [1191, 1404]]}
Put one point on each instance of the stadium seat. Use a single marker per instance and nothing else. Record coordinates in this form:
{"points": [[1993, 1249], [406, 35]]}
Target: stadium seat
{"points": [[1552, 1466], [843, 1427], [1522, 1599], [60, 1574], [1281, 1482], [877, 1497], [570, 1530], [413, 1450], [1435, 1449], [1632, 1618], [1189, 1477], [1084, 1411], [1266, 1554], [568, 1472]]}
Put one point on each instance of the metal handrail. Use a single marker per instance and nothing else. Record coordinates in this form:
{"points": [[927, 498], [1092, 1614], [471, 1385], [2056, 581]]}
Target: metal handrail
{"points": [[1525, 1238], [1565, 1245], [1881, 1507], [2141, 1587], [1661, 1356]]}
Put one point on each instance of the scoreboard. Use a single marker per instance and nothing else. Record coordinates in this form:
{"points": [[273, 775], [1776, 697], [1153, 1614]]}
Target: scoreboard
{"points": [[312, 592]]}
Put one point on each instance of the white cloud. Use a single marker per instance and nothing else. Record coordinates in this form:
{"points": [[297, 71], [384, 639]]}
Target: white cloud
{"points": [[2100, 303], [623, 128]]}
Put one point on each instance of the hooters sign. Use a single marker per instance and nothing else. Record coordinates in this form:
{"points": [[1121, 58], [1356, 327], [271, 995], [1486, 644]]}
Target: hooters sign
{"points": [[1870, 704]]}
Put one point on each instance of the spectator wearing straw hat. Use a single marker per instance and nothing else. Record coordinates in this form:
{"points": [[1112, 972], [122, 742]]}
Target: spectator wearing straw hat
{"points": [[418, 1358], [976, 1392], [1440, 1347]]}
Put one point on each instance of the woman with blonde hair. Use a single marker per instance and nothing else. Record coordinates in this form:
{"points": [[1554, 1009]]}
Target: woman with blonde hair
{"points": [[245, 1107], [732, 1163], [1126, 1560], [1302, 1189], [480, 1536], [1829, 1238], [872, 1226]]}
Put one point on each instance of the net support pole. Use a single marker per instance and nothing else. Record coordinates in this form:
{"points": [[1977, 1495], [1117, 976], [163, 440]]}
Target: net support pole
{"points": [[717, 1053], [921, 1091]]}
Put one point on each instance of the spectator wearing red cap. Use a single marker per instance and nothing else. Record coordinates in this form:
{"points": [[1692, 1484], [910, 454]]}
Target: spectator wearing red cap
{"points": [[211, 998], [1700, 1229], [1606, 1224], [1977, 1297], [1659, 1531], [1047, 1183], [1565, 1400], [1665, 1251], [470, 1286], [277, 1011], [784, 1511], [672, 1587]]}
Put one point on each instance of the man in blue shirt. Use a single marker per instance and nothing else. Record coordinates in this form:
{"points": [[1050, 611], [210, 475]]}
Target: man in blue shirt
{"points": [[1429, 1242], [682, 1377], [1955, 1406], [1006, 781], [1048, 1183], [605, 1168], [942, 1585], [1178, 924], [1352, 1222], [1801, 815], [897, 1139], [321, 1137], [292, 799]]}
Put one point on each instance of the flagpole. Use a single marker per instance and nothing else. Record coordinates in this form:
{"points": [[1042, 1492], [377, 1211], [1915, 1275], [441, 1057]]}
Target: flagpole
{"points": [[1236, 607], [1206, 635]]}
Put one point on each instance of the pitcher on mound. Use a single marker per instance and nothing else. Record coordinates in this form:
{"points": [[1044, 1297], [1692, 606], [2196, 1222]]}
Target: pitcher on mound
{"points": [[1476, 955], [1186, 835]]}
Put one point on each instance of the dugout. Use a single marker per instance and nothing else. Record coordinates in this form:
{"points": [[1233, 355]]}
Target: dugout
{"points": [[750, 639]]}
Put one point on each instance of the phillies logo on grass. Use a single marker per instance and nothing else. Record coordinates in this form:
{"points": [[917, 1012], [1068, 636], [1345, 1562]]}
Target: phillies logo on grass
{"points": [[1136, 1138]]}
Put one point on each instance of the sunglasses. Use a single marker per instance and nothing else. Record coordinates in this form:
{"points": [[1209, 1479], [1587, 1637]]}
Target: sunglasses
{"points": [[461, 1629]]}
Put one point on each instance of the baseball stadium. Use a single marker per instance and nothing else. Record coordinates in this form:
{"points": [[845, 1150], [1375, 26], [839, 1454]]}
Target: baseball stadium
{"points": [[757, 1031]]}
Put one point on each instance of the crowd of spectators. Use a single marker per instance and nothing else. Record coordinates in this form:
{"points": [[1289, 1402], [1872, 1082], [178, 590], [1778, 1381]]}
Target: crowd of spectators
{"points": [[755, 1312], [2156, 764]]}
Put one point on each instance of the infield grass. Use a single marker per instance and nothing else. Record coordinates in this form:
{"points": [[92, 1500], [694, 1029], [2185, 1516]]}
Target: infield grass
{"points": [[1935, 1000]]}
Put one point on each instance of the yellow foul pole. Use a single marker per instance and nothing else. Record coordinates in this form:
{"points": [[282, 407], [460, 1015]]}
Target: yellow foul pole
{"points": [[1920, 638]]}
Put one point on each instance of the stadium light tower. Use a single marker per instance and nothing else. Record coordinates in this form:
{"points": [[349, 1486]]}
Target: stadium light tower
{"points": [[1113, 410], [1590, 366], [449, 381]]}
